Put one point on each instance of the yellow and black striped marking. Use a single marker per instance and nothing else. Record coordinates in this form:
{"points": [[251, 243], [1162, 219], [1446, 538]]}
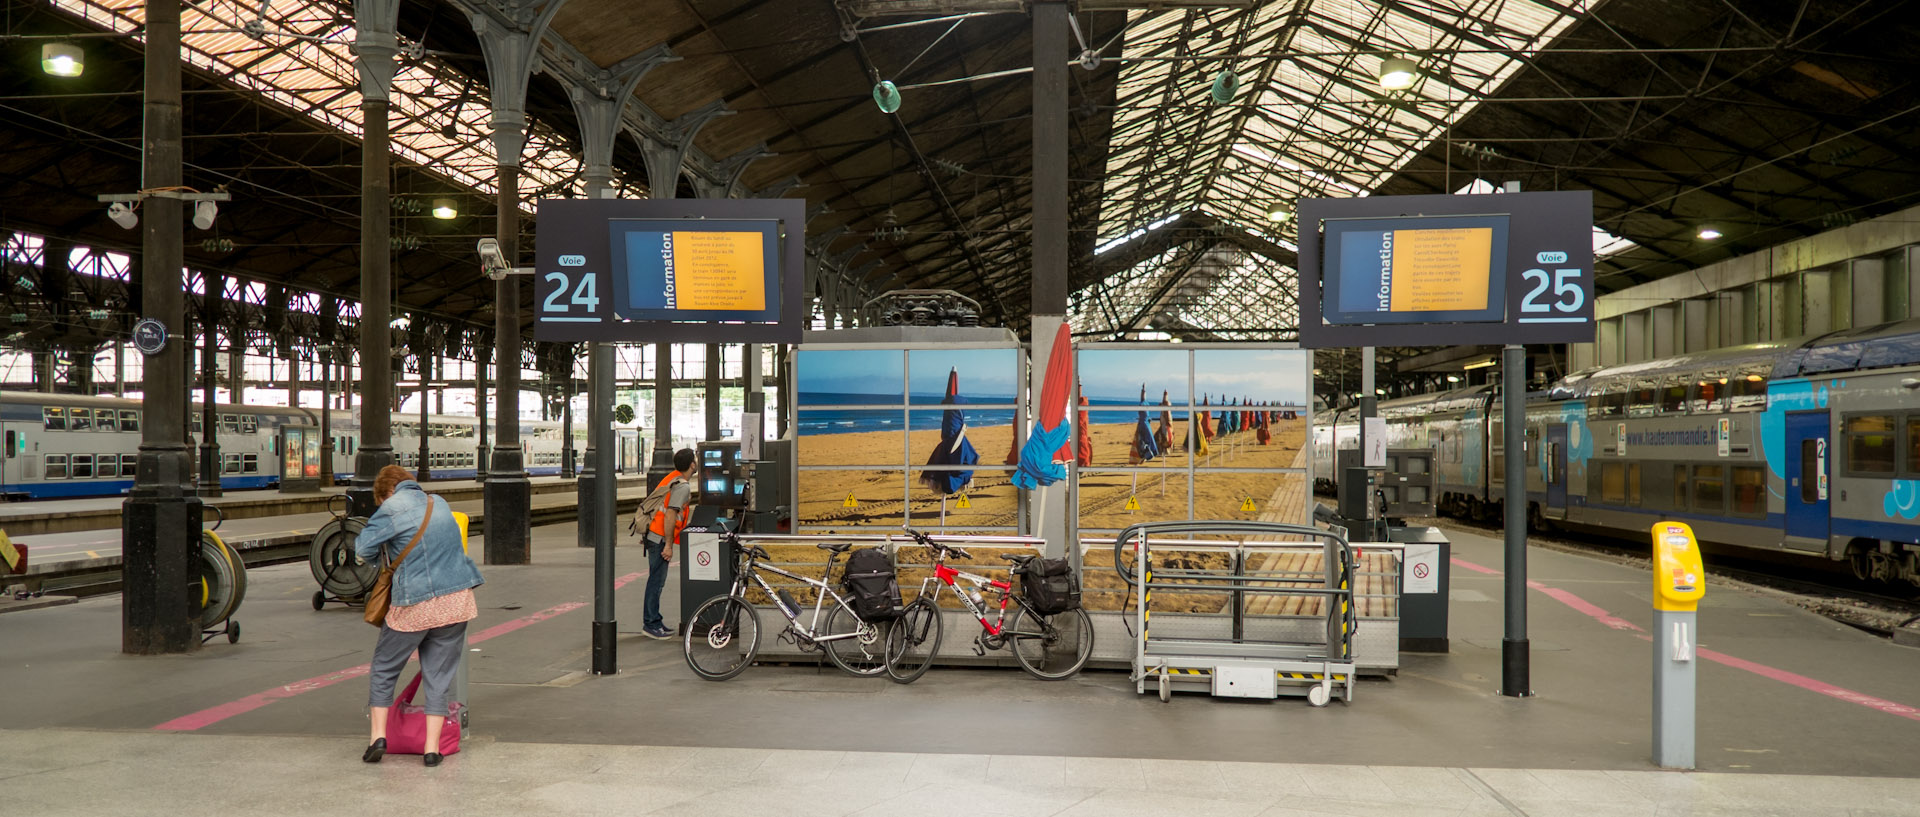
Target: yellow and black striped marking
{"points": [[1285, 676]]}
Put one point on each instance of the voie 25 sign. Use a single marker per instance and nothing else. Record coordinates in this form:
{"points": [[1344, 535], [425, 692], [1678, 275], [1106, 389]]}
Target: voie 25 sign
{"points": [[1492, 269], [672, 270]]}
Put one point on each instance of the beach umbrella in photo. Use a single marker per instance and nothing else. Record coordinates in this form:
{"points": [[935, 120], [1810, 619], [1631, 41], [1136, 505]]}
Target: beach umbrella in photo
{"points": [[1230, 419], [1084, 435], [1163, 436], [954, 449], [1265, 436], [1048, 438], [1202, 429], [1144, 448]]}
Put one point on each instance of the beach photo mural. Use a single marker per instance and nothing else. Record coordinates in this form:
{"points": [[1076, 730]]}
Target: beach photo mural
{"points": [[1192, 433], [891, 437]]}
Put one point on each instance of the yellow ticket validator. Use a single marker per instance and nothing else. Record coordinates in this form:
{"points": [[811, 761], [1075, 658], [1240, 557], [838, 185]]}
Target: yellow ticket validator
{"points": [[1679, 579]]}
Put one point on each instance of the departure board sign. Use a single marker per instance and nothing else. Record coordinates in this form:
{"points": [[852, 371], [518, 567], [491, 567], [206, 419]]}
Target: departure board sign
{"points": [[1427, 270], [1483, 269], [669, 270], [714, 270]]}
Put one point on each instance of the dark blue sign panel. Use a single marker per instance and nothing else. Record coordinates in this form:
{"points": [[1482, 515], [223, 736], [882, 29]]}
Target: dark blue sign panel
{"points": [[149, 336], [669, 270], [1485, 269]]}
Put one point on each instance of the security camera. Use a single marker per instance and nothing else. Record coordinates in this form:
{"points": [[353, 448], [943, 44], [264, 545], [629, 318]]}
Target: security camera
{"points": [[492, 261]]}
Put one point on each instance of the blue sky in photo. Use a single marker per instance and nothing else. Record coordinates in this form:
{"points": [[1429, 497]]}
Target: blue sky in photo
{"points": [[1115, 375], [985, 374], [1264, 375], [850, 371]]}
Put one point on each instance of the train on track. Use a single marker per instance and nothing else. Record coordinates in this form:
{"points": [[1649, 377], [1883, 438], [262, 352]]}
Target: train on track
{"points": [[1807, 446], [62, 446]]}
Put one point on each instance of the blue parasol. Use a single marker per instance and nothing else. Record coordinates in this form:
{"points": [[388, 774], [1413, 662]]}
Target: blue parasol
{"points": [[1144, 448], [954, 449]]}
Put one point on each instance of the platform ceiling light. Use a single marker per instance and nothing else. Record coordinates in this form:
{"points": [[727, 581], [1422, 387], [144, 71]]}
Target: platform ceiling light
{"points": [[62, 59], [1478, 364], [204, 213], [1398, 73], [1225, 85], [444, 210], [887, 96], [1709, 232], [1279, 212], [1453, 378], [123, 215]]}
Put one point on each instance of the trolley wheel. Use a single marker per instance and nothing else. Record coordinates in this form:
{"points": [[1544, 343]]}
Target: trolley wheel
{"points": [[233, 631], [1318, 695], [319, 599], [1166, 687]]}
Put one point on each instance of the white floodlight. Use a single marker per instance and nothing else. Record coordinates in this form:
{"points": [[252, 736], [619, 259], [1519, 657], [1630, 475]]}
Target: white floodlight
{"points": [[123, 215], [204, 213], [1398, 73], [62, 59]]}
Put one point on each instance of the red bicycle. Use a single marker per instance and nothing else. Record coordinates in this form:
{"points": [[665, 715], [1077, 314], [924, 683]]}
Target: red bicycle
{"points": [[1049, 647]]}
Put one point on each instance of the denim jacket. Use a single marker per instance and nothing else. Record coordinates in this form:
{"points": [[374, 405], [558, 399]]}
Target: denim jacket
{"points": [[437, 565]]}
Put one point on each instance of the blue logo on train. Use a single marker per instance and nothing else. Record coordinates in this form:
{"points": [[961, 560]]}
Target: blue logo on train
{"points": [[1903, 499]]}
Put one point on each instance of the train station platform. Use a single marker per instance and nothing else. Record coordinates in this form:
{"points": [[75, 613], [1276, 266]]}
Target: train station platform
{"points": [[1798, 715]]}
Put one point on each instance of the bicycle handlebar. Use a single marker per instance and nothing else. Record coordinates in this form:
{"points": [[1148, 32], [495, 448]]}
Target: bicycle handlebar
{"points": [[927, 541]]}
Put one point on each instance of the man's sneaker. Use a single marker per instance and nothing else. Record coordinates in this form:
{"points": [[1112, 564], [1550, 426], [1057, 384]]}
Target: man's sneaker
{"points": [[657, 632]]}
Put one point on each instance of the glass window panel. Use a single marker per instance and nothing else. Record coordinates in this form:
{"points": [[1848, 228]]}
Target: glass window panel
{"points": [[1749, 388], [1870, 445], [55, 419], [1749, 491], [129, 464], [80, 420], [1709, 488], [106, 465], [56, 466], [1809, 471], [83, 466], [129, 420], [104, 420]]}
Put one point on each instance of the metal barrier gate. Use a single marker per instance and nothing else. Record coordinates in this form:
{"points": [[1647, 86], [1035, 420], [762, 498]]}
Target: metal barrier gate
{"points": [[1310, 660]]}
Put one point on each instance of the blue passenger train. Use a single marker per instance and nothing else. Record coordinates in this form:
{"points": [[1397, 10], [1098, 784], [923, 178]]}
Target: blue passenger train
{"points": [[61, 445], [1808, 446]]}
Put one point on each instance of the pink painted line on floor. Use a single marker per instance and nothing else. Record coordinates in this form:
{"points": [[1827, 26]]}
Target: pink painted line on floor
{"points": [[213, 715], [1795, 679]]}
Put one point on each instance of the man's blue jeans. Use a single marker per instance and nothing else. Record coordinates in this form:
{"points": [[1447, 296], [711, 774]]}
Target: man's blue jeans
{"points": [[657, 566]]}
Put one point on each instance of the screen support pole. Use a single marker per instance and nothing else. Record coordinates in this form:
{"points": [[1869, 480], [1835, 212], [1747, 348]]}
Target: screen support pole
{"points": [[1515, 674]]}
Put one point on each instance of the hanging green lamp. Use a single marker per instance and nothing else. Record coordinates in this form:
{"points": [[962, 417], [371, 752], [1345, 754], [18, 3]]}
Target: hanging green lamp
{"points": [[1225, 85], [886, 96]]}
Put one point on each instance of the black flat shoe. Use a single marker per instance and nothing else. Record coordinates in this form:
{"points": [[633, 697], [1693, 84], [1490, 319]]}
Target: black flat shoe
{"points": [[431, 758], [375, 751]]}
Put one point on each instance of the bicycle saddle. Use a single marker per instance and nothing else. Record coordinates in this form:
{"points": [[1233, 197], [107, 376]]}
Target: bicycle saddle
{"points": [[1019, 558], [839, 548]]}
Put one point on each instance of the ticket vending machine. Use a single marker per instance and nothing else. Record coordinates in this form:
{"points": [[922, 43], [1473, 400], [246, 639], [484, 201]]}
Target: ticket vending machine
{"points": [[723, 478], [1679, 581]]}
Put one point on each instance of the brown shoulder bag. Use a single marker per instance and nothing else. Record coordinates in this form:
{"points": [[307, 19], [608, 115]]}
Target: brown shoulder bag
{"points": [[380, 597]]}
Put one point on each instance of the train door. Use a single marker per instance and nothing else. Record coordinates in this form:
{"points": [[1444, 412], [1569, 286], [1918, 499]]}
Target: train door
{"points": [[1556, 476], [1807, 470]]}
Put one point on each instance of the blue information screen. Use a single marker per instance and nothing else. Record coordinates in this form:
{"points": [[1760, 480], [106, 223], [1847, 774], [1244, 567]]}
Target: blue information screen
{"points": [[1418, 269], [695, 270]]}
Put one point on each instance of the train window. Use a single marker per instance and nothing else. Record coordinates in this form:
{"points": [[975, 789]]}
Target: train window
{"points": [[129, 420], [56, 466], [1709, 488], [250, 463], [80, 420], [1913, 443], [1870, 446], [103, 420], [54, 418], [106, 465], [1613, 483], [196, 423], [1679, 487], [1673, 396], [229, 424], [1750, 491], [1633, 484], [83, 466], [1643, 399], [249, 424], [230, 463], [129, 464], [1710, 393], [1809, 471], [1748, 389]]}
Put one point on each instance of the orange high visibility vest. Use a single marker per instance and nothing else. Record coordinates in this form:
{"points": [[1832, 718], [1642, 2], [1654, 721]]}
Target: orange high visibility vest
{"points": [[659, 524]]}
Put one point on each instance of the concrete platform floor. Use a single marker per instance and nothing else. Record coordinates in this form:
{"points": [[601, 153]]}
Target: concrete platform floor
{"points": [[1783, 692]]}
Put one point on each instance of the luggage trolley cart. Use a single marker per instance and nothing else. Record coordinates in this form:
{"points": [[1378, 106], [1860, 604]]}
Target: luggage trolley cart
{"points": [[1311, 656]]}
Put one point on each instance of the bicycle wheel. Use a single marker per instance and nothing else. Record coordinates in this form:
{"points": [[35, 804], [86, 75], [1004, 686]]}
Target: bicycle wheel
{"points": [[865, 654], [912, 641], [1051, 647], [722, 637]]}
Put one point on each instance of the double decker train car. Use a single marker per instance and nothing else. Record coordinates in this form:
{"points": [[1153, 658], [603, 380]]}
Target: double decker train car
{"points": [[62, 445], [1808, 446]]}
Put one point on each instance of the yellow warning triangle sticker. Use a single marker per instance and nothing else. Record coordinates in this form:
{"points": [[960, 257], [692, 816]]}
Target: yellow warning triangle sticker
{"points": [[963, 503], [1247, 504], [850, 502], [1133, 503]]}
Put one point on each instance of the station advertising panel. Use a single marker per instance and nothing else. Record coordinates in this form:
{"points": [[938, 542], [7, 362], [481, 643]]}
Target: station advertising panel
{"points": [[1492, 269], [669, 270]]}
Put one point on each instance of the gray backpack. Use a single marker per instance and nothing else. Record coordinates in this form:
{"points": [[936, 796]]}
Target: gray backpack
{"points": [[655, 502]]}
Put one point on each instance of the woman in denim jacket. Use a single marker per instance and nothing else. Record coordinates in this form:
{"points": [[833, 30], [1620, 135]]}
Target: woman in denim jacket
{"points": [[432, 601]]}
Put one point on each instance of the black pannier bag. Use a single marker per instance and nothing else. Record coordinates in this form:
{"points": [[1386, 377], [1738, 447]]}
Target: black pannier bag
{"points": [[1050, 586], [871, 586]]}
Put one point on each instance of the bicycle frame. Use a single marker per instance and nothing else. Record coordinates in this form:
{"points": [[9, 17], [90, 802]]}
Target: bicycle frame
{"points": [[752, 571], [950, 576]]}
